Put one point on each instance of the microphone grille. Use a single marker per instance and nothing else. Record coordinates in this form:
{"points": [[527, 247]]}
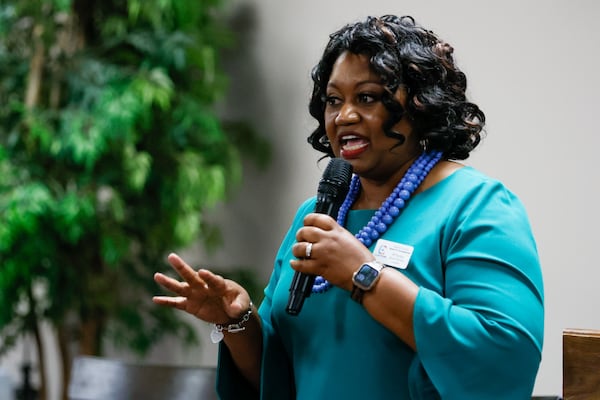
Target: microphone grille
{"points": [[338, 173]]}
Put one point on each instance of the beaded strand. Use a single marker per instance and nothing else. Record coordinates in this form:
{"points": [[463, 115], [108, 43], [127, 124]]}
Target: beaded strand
{"points": [[390, 208]]}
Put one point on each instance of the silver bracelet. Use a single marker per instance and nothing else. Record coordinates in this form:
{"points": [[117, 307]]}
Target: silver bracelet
{"points": [[216, 335]]}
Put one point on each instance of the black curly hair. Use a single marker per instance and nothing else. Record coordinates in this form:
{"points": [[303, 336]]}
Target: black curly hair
{"points": [[405, 54]]}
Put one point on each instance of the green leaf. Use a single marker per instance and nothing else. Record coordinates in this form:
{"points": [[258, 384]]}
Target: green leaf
{"points": [[118, 161], [114, 247], [74, 214], [154, 88], [137, 167]]}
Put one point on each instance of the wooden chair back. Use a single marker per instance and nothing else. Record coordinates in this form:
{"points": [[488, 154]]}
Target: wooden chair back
{"points": [[94, 378], [581, 364]]}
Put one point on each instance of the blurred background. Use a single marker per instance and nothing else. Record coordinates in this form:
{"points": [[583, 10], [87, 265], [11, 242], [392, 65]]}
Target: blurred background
{"points": [[129, 129]]}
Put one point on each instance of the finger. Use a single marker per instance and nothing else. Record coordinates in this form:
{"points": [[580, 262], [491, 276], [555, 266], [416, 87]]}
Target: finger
{"points": [[321, 221], [213, 281], [308, 234], [176, 302], [171, 284], [183, 269], [304, 250], [301, 265]]}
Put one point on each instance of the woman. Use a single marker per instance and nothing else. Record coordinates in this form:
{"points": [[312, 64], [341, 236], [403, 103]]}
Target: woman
{"points": [[429, 284]]}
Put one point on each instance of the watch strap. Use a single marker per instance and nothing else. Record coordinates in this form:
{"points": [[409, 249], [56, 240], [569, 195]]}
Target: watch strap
{"points": [[357, 294]]}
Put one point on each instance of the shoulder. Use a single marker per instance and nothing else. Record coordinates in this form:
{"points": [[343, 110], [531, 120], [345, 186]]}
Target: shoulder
{"points": [[440, 172], [460, 179], [306, 207], [468, 192], [458, 176]]}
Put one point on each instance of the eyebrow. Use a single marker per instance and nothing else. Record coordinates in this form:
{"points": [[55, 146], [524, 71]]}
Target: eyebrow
{"points": [[357, 84]]}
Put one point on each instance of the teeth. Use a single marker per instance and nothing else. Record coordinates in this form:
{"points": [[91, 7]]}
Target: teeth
{"points": [[349, 137], [345, 139], [355, 147]]}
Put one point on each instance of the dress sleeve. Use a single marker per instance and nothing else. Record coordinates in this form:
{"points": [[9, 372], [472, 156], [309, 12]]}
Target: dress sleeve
{"points": [[276, 368], [482, 338]]}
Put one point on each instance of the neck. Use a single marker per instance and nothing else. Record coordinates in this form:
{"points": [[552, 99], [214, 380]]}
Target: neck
{"points": [[375, 191]]}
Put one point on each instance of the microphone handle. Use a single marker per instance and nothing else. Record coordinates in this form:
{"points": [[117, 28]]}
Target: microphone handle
{"points": [[302, 284], [300, 289]]}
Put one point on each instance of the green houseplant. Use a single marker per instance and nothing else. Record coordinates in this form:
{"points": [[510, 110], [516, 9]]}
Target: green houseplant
{"points": [[110, 154]]}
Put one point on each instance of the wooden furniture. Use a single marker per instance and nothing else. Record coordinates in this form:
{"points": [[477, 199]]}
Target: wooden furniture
{"points": [[94, 378], [581, 364]]}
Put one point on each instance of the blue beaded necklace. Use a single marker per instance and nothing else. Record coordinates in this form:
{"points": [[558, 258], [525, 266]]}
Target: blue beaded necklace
{"points": [[390, 208]]}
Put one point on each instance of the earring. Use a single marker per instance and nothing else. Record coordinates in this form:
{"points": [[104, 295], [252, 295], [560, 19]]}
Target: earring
{"points": [[424, 144], [324, 141]]}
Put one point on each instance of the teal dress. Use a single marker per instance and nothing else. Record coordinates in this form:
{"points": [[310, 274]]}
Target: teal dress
{"points": [[478, 316]]}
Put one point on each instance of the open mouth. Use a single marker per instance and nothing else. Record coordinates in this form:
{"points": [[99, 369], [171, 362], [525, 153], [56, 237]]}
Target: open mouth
{"points": [[353, 142], [352, 145]]}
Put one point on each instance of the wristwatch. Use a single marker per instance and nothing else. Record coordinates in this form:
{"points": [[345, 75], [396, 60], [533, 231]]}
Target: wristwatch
{"points": [[364, 279]]}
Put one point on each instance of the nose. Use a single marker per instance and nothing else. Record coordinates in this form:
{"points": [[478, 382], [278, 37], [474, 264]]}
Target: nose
{"points": [[347, 115]]}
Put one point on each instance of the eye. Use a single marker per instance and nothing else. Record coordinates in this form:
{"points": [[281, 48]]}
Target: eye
{"points": [[367, 98], [332, 100]]}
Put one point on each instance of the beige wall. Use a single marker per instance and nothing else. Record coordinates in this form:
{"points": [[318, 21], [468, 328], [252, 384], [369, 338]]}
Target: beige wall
{"points": [[532, 67]]}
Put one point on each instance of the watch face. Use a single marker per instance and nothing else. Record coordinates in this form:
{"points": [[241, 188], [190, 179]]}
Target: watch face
{"points": [[365, 276]]}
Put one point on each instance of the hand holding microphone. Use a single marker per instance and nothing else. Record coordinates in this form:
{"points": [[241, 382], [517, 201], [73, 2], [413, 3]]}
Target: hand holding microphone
{"points": [[332, 190]]}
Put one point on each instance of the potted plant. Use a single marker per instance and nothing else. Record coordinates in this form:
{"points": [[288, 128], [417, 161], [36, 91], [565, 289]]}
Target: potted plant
{"points": [[111, 153]]}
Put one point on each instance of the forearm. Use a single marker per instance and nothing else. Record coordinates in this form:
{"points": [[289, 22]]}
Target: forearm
{"points": [[245, 348], [391, 303]]}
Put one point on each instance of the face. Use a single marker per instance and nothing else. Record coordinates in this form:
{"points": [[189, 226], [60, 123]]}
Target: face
{"points": [[354, 119]]}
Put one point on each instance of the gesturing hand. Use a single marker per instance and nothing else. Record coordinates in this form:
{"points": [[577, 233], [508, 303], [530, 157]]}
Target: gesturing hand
{"points": [[203, 294]]}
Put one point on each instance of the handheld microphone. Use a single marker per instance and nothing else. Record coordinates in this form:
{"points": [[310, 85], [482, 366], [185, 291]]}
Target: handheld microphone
{"points": [[333, 188]]}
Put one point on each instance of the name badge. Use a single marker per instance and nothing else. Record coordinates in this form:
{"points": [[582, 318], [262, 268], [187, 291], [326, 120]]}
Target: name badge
{"points": [[393, 254]]}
